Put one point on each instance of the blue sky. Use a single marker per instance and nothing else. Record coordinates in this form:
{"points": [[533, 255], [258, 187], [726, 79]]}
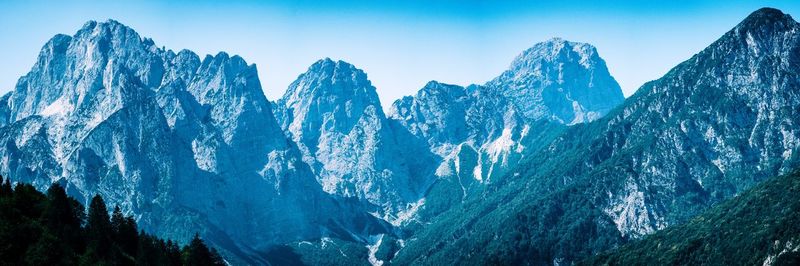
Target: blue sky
{"points": [[400, 44]]}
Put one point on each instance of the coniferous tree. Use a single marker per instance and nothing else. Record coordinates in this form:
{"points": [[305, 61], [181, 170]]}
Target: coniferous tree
{"points": [[126, 234], [48, 250], [9, 227], [98, 232], [61, 217], [27, 205], [48, 229], [173, 253], [5, 187], [28, 200], [198, 254], [216, 258]]}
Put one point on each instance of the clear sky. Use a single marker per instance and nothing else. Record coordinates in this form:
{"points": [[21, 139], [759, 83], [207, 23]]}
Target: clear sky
{"points": [[400, 44]]}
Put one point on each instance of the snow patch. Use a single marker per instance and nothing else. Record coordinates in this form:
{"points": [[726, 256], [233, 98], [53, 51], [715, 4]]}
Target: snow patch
{"points": [[28, 131]]}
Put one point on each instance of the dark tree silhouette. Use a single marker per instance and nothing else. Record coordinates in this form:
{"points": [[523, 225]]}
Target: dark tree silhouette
{"points": [[49, 229]]}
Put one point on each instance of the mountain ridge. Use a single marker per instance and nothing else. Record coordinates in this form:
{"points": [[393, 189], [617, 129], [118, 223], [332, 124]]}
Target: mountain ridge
{"points": [[728, 233], [664, 155], [180, 142], [199, 137]]}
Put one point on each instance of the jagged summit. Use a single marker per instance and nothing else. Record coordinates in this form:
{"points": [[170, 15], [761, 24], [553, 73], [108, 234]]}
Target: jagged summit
{"points": [[766, 16], [107, 24], [327, 64], [767, 38], [110, 34], [333, 113], [552, 49], [439, 87], [560, 80], [336, 78], [761, 28], [182, 143]]}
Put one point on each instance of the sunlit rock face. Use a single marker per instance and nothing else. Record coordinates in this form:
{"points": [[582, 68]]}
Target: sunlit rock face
{"points": [[334, 115], [475, 131], [715, 125], [560, 80], [182, 143]]}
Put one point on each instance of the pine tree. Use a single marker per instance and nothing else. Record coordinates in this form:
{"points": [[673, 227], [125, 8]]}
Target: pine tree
{"points": [[198, 254], [39, 229], [5, 187], [216, 259], [48, 250], [62, 218], [98, 231], [28, 200], [125, 232], [173, 253]]}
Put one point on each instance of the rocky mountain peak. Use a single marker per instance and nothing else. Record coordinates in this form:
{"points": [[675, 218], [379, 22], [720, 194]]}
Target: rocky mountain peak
{"points": [[560, 80], [437, 88], [763, 31], [109, 26], [333, 113], [555, 49], [765, 19], [226, 75], [102, 67], [180, 142], [334, 87], [337, 81]]}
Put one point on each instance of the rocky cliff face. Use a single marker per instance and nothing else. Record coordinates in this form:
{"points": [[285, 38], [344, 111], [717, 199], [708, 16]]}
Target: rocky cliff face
{"points": [[481, 131], [560, 80], [476, 131], [182, 143], [715, 125], [185, 143], [333, 114]]}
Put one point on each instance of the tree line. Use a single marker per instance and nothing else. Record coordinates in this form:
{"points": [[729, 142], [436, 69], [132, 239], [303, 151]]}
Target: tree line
{"points": [[53, 229]]}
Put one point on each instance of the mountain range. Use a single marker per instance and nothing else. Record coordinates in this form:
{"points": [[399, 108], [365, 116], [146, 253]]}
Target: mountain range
{"points": [[547, 163]]}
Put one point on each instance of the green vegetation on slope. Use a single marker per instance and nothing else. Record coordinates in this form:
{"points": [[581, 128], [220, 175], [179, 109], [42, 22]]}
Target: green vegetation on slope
{"points": [[761, 223], [53, 229], [667, 154]]}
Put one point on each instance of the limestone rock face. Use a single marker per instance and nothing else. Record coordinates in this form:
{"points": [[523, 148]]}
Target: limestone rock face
{"points": [[560, 80], [715, 125], [475, 131], [334, 115], [181, 143]]}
